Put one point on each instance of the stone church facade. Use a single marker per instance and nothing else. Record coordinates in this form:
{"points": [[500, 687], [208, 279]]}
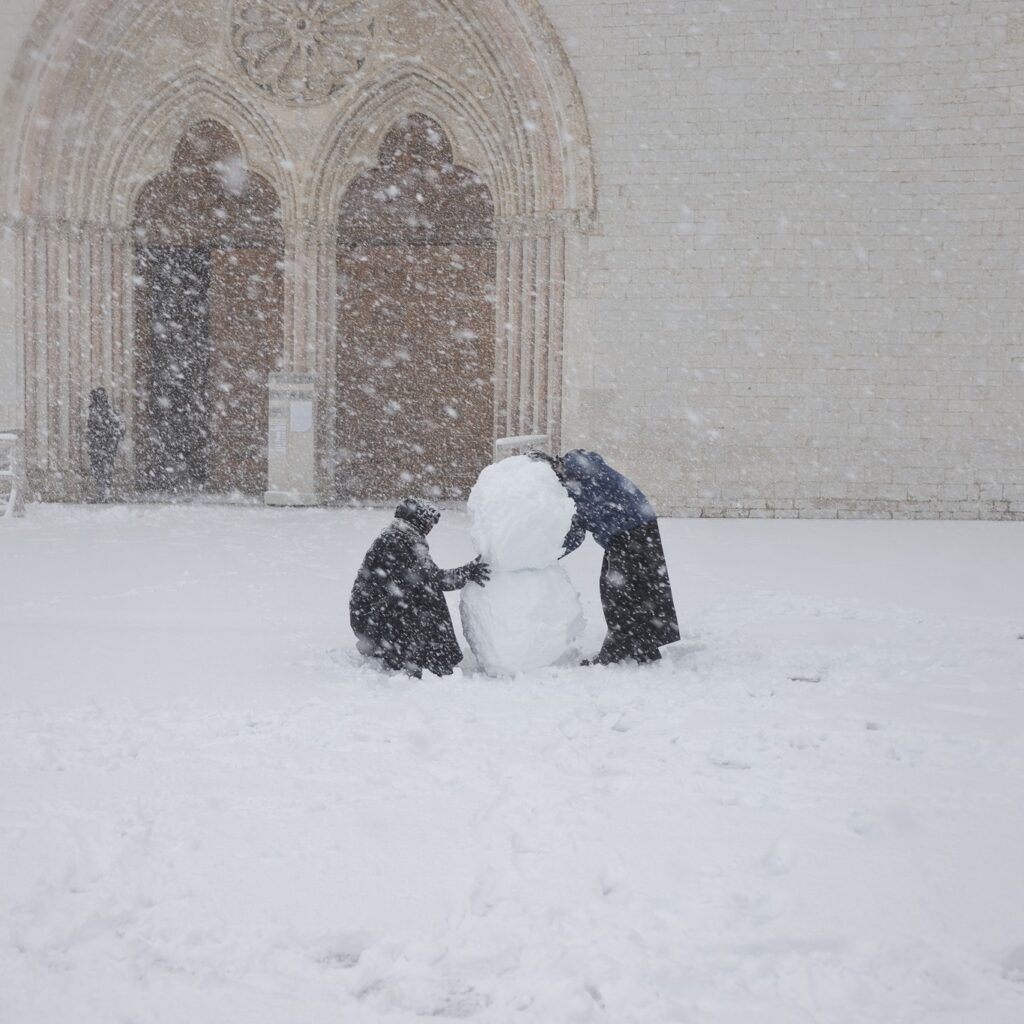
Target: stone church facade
{"points": [[766, 256]]}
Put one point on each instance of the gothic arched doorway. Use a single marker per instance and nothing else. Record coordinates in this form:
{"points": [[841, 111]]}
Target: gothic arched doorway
{"points": [[208, 314], [415, 363]]}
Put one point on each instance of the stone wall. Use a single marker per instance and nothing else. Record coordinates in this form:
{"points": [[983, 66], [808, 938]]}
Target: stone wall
{"points": [[805, 294], [105, 90], [801, 296]]}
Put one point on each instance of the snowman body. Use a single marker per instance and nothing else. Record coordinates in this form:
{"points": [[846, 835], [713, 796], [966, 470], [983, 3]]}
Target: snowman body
{"points": [[529, 613]]}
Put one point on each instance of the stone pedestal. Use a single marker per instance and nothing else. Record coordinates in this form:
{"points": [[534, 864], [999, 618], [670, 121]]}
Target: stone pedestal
{"points": [[521, 444], [291, 441], [12, 484]]}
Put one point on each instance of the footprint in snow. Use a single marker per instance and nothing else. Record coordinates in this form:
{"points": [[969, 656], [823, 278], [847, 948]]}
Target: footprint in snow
{"points": [[731, 763], [461, 1004], [780, 859], [340, 959], [1013, 965]]}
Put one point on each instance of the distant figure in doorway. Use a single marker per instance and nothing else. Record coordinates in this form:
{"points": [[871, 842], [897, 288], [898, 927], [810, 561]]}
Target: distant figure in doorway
{"points": [[104, 432], [397, 609], [636, 594]]}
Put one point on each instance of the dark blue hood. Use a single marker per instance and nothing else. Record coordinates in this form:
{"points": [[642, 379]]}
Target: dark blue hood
{"points": [[607, 503]]}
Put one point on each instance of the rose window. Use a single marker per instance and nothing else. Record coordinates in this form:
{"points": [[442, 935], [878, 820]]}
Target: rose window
{"points": [[301, 51]]}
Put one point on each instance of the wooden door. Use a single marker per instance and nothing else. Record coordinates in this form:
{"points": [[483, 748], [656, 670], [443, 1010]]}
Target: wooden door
{"points": [[246, 342], [208, 306], [416, 276], [174, 364], [415, 365]]}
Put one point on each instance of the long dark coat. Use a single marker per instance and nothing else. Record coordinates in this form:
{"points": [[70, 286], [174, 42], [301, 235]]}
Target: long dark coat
{"points": [[104, 429], [397, 609], [636, 596]]}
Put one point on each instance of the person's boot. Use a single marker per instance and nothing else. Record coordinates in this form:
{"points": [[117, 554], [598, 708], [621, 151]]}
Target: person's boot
{"points": [[614, 657], [645, 657], [606, 656]]}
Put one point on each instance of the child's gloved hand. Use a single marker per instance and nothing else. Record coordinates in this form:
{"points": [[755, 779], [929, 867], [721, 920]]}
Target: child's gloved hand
{"points": [[478, 572]]}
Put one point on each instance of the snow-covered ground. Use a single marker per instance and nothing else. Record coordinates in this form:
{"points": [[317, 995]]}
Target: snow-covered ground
{"points": [[210, 811]]}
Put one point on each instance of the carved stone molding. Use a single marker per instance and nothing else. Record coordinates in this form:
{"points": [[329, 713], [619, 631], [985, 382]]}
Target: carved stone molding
{"points": [[102, 114], [301, 51], [415, 23], [545, 225]]}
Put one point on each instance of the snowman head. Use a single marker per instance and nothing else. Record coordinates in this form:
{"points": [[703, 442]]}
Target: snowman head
{"points": [[519, 514]]}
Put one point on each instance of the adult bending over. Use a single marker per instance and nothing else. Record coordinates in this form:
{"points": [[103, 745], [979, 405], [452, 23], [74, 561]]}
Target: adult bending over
{"points": [[636, 594], [397, 609]]}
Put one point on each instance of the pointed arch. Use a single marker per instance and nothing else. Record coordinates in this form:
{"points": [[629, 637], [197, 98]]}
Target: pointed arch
{"points": [[101, 90], [530, 125], [207, 249], [160, 119], [355, 135], [536, 167], [415, 270]]}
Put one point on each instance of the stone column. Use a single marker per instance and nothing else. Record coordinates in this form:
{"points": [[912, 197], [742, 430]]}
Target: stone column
{"points": [[12, 385], [291, 447], [299, 290], [309, 329], [529, 321], [75, 284]]}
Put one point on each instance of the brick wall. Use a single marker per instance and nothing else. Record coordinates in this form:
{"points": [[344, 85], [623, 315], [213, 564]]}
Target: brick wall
{"points": [[805, 298]]}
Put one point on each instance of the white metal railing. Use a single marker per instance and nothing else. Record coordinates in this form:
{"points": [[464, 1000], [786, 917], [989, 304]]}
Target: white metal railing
{"points": [[506, 446], [12, 487]]}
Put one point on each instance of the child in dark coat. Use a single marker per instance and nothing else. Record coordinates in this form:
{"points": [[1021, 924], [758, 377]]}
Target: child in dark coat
{"points": [[397, 609]]}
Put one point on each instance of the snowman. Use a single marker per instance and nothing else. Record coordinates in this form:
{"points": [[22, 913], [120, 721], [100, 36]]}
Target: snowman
{"points": [[529, 614]]}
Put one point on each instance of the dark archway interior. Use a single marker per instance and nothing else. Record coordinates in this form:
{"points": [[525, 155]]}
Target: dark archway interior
{"points": [[209, 329], [416, 280]]}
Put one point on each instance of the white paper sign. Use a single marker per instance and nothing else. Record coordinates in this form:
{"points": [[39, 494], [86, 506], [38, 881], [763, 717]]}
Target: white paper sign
{"points": [[278, 441], [301, 417]]}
